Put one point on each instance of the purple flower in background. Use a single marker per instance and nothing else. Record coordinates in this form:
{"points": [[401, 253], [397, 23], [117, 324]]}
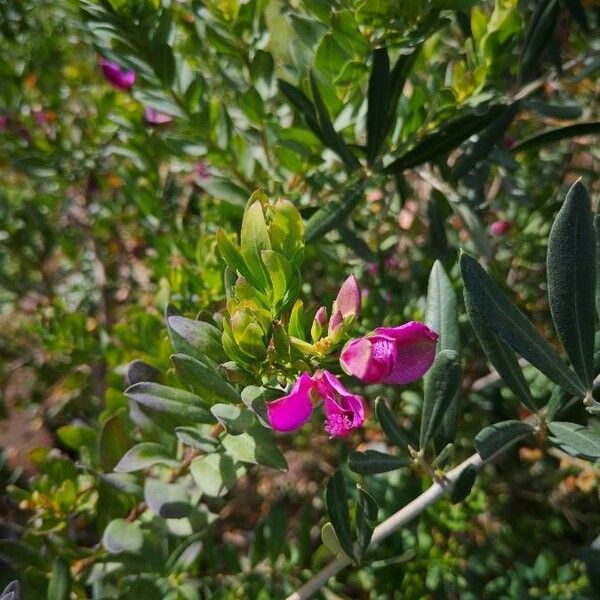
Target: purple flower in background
{"points": [[293, 410], [40, 117], [117, 77], [3, 122], [344, 411], [153, 117], [500, 227], [202, 170], [391, 354]]}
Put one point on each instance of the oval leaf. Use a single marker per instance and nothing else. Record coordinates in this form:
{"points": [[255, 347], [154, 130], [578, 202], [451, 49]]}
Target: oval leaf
{"points": [[371, 462], [122, 536], [494, 438]]}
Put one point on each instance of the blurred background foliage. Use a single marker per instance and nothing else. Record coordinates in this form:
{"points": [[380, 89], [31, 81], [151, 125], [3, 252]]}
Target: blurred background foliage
{"points": [[105, 218]]}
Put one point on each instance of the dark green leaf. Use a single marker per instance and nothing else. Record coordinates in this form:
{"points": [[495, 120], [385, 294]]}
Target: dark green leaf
{"points": [[463, 484], [366, 519], [441, 313], [441, 385], [339, 514], [196, 338], [501, 357], [303, 105], [572, 280], [138, 371], [448, 136], [330, 136], [21, 555], [557, 134], [371, 462], [378, 103], [576, 439], [114, 441], [204, 379], [392, 430], [398, 78], [494, 438], [538, 34], [171, 401], [513, 327], [334, 214], [59, 587]]}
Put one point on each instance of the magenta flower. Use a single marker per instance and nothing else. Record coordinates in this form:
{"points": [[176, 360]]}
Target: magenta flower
{"points": [[292, 411], [153, 117], [500, 227], [391, 354], [202, 170], [344, 411], [117, 77], [347, 303], [318, 323]]}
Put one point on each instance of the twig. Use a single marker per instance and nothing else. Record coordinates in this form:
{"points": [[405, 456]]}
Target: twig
{"points": [[397, 520]]}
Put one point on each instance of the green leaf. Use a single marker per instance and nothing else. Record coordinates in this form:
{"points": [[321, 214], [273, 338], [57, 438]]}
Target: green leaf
{"points": [[366, 519], [204, 379], [441, 314], [501, 357], [280, 275], [513, 327], [195, 338], [597, 238], [236, 420], [331, 542], [392, 430], [480, 149], [113, 442], [144, 455], [463, 484], [572, 280], [303, 105], [557, 134], [59, 587], [21, 555], [334, 214], [231, 255], [337, 507], [441, 385], [378, 103], [227, 191], [215, 474], [538, 34], [371, 462], [171, 401], [122, 536], [330, 136], [494, 438], [77, 436], [167, 500], [448, 136], [196, 437], [254, 239], [398, 78], [576, 439], [138, 370], [255, 446]]}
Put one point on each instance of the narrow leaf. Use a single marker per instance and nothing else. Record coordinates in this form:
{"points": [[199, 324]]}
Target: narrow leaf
{"points": [[494, 438], [576, 439], [441, 314], [557, 134], [572, 280], [371, 462], [378, 101], [59, 587], [513, 327], [366, 519], [337, 507], [398, 436], [441, 385]]}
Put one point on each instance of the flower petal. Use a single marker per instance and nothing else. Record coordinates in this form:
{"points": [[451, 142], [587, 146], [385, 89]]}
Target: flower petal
{"points": [[348, 298], [292, 411], [415, 351]]}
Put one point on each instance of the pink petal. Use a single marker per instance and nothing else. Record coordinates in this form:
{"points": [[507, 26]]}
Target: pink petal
{"points": [[415, 351], [292, 411], [348, 298], [118, 78], [344, 411]]}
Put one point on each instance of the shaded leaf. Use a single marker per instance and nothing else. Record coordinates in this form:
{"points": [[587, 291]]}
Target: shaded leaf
{"points": [[339, 514], [371, 462], [494, 438]]}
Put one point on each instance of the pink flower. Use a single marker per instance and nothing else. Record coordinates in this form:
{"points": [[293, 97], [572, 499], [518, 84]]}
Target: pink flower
{"points": [[344, 411], [39, 116], [347, 303], [292, 411], [117, 77], [202, 170], [500, 227], [153, 117], [318, 323], [391, 354]]}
